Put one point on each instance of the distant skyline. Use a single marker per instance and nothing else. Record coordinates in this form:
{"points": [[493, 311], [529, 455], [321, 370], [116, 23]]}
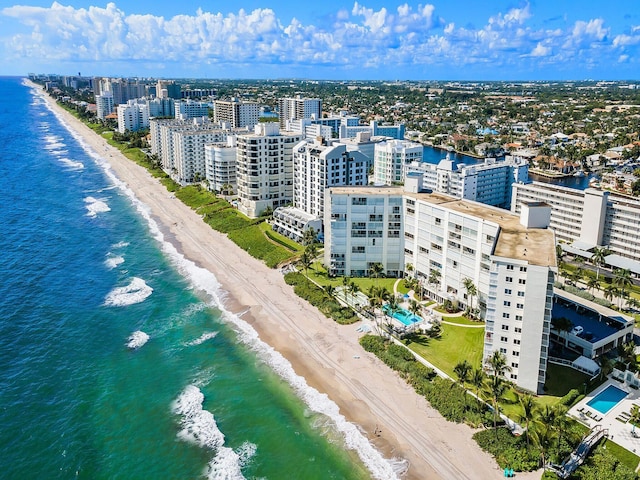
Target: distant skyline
{"points": [[331, 39]]}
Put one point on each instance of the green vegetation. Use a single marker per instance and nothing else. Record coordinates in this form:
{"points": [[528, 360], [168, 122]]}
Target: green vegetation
{"points": [[454, 345], [319, 298], [606, 464], [252, 240], [462, 320]]}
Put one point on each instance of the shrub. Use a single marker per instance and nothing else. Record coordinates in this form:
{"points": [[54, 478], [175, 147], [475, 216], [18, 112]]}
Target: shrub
{"points": [[570, 397], [373, 343], [509, 451]]}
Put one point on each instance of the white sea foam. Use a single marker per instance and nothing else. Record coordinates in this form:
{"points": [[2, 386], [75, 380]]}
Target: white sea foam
{"points": [[137, 291], [201, 339], [137, 339], [72, 164], [120, 245], [113, 261], [199, 427], [202, 279], [95, 206]]}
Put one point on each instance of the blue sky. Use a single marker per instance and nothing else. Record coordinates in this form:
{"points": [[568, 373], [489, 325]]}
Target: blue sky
{"points": [[328, 39]]}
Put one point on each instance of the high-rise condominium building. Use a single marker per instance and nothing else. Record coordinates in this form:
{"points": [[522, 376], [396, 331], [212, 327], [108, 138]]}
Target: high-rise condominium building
{"points": [[298, 108], [510, 260], [316, 167], [584, 219], [220, 161], [104, 105], [391, 158], [236, 113], [489, 182], [265, 169], [133, 116]]}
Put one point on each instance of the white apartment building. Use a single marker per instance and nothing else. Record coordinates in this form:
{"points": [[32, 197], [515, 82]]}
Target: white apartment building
{"points": [[191, 109], [588, 218], [265, 169], [237, 114], [220, 160], [363, 226], [189, 164], [390, 159], [316, 167], [133, 116], [489, 182], [298, 108], [510, 260], [104, 105], [161, 107]]}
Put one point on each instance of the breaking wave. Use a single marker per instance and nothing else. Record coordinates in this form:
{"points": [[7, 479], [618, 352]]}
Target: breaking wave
{"points": [[137, 291]]}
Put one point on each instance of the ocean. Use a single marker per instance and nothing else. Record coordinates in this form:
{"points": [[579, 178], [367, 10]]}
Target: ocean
{"points": [[117, 359]]}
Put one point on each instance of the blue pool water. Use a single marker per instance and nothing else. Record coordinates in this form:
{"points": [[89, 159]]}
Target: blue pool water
{"points": [[607, 399], [404, 316]]}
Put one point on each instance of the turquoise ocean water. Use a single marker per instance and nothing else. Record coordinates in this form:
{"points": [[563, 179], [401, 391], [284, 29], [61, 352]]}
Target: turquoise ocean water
{"points": [[116, 360]]}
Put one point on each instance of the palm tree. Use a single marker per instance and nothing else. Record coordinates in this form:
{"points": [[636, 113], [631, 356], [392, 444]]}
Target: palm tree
{"points": [[633, 303], [497, 363], [477, 380], [415, 307], [471, 291], [392, 308], [622, 280], [345, 284], [635, 418], [542, 437], [434, 276], [606, 366], [599, 254], [309, 236], [463, 371], [528, 411], [560, 421], [593, 284], [408, 268], [331, 290], [559, 253], [353, 290], [305, 261], [609, 292], [375, 270], [497, 387]]}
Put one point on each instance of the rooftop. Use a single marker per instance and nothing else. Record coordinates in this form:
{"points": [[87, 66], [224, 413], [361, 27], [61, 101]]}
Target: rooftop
{"points": [[536, 246]]}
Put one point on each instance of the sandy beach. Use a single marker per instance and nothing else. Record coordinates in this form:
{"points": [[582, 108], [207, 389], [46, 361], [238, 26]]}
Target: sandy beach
{"points": [[326, 354]]}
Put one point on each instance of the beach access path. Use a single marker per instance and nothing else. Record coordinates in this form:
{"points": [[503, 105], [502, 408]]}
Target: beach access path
{"points": [[399, 422]]}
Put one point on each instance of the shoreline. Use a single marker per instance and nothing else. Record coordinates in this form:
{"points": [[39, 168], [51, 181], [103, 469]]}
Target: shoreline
{"points": [[327, 355]]}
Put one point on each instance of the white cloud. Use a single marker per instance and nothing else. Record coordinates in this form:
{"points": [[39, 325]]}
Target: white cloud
{"points": [[540, 51], [400, 35]]}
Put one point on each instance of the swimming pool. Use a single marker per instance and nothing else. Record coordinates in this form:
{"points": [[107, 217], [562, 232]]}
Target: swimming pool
{"points": [[607, 399], [404, 316]]}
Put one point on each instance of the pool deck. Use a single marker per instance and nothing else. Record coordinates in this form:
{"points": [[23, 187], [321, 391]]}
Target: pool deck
{"points": [[615, 420]]}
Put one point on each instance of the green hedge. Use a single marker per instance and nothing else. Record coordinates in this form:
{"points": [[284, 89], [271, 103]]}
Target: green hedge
{"points": [[252, 240], [509, 451], [317, 297]]}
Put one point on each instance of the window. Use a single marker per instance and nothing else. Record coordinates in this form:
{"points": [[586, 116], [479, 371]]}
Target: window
{"points": [[505, 327], [505, 315], [514, 376], [523, 269], [507, 303], [509, 279], [521, 294], [519, 318], [519, 305], [504, 339], [503, 350], [518, 330], [438, 221], [514, 365], [516, 341], [359, 249], [515, 353], [509, 267], [522, 281], [507, 291]]}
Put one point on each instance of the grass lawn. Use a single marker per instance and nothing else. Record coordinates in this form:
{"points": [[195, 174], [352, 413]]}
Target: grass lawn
{"points": [[462, 320], [561, 379], [319, 274], [630, 459], [455, 345]]}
